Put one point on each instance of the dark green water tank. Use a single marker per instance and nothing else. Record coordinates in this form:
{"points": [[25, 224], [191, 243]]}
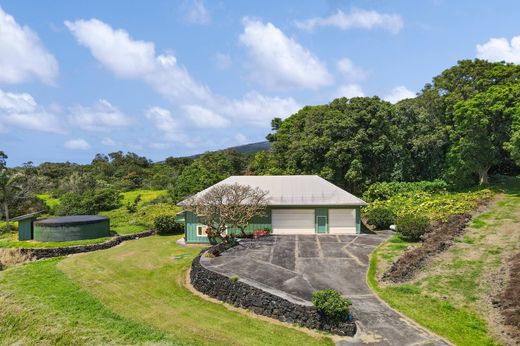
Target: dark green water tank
{"points": [[69, 228]]}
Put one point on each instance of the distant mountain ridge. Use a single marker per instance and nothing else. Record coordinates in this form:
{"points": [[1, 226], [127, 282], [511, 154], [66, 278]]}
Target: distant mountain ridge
{"points": [[250, 148]]}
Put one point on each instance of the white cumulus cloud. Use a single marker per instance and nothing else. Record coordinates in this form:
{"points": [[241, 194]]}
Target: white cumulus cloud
{"points": [[130, 58], [163, 120], [399, 93], [258, 110], [77, 144], [500, 49], [108, 142], [196, 12], [349, 70], [357, 18], [115, 49], [23, 57], [204, 117], [349, 91], [103, 116], [280, 61], [21, 110]]}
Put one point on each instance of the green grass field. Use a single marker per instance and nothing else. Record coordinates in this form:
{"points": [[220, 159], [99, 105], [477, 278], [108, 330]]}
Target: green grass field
{"points": [[450, 295], [130, 294]]}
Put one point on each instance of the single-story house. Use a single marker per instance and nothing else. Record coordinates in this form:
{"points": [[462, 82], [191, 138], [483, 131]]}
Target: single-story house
{"points": [[298, 204]]}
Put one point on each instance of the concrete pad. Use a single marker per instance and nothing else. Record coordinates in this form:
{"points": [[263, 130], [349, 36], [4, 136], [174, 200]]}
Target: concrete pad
{"points": [[285, 237], [328, 238], [308, 249], [367, 240], [333, 250], [347, 238], [336, 273], [307, 237], [297, 266], [359, 252], [284, 255]]}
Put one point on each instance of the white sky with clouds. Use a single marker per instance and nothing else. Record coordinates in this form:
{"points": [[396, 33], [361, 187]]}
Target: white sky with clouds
{"points": [[176, 78]]}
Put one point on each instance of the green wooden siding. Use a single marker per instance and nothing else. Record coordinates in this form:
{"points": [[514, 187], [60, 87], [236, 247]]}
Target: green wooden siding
{"points": [[25, 229], [191, 221]]}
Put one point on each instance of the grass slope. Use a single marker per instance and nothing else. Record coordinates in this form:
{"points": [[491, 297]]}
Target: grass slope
{"points": [[130, 294], [41, 306], [451, 295]]}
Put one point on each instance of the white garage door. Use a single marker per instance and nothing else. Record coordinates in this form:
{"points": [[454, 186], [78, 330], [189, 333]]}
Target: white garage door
{"points": [[293, 221], [342, 221]]}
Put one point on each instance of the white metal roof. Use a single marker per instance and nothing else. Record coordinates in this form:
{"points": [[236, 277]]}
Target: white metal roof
{"points": [[295, 190]]}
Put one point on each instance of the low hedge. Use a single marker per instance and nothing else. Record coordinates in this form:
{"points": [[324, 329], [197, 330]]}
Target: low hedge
{"points": [[166, 224], [412, 227], [380, 217]]}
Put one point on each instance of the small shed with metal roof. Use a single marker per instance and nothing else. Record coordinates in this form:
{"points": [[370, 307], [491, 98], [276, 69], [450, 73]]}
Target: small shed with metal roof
{"points": [[25, 225]]}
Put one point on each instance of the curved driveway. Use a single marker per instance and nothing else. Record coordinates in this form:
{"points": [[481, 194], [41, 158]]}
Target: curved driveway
{"points": [[295, 266]]}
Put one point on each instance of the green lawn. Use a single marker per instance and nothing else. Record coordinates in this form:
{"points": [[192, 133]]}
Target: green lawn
{"points": [[132, 294], [449, 295], [41, 306]]}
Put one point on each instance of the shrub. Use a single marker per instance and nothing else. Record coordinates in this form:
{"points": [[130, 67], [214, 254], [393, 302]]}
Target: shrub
{"points": [[234, 278], [91, 202], [386, 190], [380, 217], [165, 224], [4, 229], [412, 226], [132, 206], [331, 303]]}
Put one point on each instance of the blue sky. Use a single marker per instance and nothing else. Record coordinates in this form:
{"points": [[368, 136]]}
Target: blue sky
{"points": [[173, 78]]}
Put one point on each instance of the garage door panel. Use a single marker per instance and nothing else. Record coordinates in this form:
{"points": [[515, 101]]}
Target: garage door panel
{"points": [[293, 221], [342, 221]]}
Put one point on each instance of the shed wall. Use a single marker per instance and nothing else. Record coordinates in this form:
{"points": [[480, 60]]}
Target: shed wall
{"points": [[190, 221]]}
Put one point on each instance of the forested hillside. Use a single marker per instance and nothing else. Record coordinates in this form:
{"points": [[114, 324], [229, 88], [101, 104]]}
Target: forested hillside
{"points": [[462, 127]]}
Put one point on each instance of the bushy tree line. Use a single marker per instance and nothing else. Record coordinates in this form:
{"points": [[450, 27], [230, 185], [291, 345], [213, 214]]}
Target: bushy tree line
{"points": [[461, 127]]}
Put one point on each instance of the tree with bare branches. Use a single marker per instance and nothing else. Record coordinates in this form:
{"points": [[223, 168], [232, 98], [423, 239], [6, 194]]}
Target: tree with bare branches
{"points": [[228, 205]]}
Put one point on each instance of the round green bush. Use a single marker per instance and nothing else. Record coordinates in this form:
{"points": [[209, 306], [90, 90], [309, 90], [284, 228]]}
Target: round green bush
{"points": [[332, 304], [412, 226], [380, 217], [165, 224]]}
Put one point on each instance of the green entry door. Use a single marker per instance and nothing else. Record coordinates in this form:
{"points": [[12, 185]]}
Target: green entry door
{"points": [[322, 224]]}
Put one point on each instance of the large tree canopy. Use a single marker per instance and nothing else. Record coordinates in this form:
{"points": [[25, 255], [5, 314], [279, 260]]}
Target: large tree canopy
{"points": [[459, 127], [350, 142], [482, 131]]}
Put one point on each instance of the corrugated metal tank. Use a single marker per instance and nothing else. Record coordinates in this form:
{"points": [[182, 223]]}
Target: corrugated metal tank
{"points": [[69, 228]]}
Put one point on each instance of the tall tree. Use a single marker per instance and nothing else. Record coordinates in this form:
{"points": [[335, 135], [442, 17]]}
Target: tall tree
{"points": [[482, 129], [351, 142]]}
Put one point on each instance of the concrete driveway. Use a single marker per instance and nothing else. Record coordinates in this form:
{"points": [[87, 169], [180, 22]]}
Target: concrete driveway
{"points": [[295, 266]]}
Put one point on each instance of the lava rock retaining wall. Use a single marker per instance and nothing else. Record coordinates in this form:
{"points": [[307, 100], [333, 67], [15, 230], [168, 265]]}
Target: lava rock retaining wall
{"points": [[263, 303], [64, 251]]}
